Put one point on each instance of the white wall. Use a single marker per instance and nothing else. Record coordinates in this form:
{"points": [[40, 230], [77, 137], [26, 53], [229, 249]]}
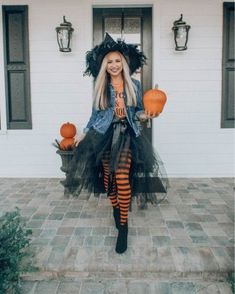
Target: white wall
{"points": [[187, 135], [59, 92]]}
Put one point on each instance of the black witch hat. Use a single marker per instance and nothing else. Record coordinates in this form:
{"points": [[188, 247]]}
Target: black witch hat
{"points": [[94, 57]]}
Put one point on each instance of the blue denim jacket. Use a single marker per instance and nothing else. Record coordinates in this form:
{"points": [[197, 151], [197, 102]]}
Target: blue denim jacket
{"points": [[100, 120]]}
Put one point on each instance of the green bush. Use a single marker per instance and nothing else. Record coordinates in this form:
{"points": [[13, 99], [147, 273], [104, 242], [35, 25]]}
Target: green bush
{"points": [[231, 281], [14, 239]]}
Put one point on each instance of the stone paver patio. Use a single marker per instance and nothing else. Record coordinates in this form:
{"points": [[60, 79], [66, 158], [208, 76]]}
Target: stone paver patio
{"points": [[185, 245]]}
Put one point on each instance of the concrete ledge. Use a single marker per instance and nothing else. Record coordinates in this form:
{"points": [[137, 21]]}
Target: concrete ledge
{"points": [[161, 276]]}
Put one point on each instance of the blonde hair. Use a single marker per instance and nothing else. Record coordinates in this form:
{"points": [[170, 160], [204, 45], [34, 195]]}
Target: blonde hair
{"points": [[101, 85]]}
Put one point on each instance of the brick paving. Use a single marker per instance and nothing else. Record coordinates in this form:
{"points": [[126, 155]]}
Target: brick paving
{"points": [[124, 286], [184, 245]]}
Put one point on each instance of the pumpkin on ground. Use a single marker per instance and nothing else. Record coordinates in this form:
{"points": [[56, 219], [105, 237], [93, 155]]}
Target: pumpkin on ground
{"points": [[154, 101], [68, 130]]}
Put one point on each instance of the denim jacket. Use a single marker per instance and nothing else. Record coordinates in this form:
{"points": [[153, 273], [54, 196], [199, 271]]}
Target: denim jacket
{"points": [[100, 120]]}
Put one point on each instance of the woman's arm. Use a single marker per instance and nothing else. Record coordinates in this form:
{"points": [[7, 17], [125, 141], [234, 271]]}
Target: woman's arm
{"points": [[139, 106], [91, 120]]}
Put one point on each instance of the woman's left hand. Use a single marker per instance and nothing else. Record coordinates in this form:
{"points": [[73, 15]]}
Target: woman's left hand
{"points": [[147, 115], [151, 114]]}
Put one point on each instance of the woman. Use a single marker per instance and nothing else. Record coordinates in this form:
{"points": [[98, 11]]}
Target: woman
{"points": [[113, 151]]}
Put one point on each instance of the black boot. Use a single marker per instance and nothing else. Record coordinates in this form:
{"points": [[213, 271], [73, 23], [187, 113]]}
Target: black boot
{"points": [[116, 215], [121, 245]]}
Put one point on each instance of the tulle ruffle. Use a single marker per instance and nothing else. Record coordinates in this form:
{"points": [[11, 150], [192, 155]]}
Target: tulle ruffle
{"points": [[148, 177]]}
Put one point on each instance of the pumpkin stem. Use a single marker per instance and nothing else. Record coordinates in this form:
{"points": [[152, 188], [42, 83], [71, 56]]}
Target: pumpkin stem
{"points": [[156, 86]]}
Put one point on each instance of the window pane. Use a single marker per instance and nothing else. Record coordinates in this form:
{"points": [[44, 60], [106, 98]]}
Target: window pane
{"points": [[132, 34], [112, 25], [132, 30]]}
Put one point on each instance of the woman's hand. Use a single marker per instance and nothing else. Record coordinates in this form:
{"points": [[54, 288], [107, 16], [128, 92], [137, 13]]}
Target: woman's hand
{"points": [[147, 115], [78, 139], [150, 114]]}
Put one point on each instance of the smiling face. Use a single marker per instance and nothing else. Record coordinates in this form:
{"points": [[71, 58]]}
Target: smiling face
{"points": [[114, 64]]}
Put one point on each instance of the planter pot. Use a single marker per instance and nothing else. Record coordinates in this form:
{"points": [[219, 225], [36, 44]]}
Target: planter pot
{"points": [[66, 157]]}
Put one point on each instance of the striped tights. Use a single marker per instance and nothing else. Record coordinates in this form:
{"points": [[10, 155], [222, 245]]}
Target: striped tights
{"points": [[119, 191]]}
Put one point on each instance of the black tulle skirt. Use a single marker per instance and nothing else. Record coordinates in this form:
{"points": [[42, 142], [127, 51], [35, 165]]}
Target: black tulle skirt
{"points": [[148, 178]]}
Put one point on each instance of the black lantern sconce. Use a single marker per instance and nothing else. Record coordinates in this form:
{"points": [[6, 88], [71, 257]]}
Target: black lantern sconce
{"points": [[181, 30], [64, 35]]}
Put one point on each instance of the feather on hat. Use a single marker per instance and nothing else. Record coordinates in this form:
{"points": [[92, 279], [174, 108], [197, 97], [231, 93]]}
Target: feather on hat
{"points": [[94, 57]]}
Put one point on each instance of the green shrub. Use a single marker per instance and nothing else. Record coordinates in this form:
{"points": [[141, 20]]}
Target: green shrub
{"points": [[231, 281], [14, 239]]}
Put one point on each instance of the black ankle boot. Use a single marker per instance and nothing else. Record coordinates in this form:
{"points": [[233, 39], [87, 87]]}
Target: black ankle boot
{"points": [[121, 245], [116, 215]]}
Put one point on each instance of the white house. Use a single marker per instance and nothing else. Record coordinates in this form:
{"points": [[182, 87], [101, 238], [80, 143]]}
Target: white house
{"points": [[191, 135]]}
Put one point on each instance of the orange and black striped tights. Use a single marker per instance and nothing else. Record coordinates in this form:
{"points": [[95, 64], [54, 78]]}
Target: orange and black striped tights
{"points": [[120, 192]]}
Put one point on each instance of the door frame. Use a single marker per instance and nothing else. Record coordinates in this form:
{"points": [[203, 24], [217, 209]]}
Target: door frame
{"points": [[145, 13]]}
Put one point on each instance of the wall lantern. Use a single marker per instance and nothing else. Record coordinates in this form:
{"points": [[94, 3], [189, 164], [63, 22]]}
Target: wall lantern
{"points": [[180, 29], [64, 35]]}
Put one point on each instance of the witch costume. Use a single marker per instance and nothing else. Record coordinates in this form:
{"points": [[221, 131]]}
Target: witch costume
{"points": [[113, 141]]}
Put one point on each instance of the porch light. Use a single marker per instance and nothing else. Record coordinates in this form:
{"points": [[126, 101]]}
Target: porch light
{"points": [[64, 35], [181, 30]]}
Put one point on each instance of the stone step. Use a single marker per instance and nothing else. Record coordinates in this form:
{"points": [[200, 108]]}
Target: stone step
{"points": [[139, 259], [125, 286], [73, 275]]}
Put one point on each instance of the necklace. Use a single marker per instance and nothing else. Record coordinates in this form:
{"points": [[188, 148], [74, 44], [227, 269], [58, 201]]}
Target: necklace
{"points": [[117, 84]]}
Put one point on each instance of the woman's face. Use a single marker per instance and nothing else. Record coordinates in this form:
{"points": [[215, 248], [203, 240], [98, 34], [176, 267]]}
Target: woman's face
{"points": [[114, 64]]}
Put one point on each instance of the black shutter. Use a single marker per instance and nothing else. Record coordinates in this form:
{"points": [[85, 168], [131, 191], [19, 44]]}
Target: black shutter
{"points": [[228, 77], [17, 72]]}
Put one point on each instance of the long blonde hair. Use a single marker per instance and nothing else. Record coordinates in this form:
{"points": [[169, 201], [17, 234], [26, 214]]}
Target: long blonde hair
{"points": [[102, 80]]}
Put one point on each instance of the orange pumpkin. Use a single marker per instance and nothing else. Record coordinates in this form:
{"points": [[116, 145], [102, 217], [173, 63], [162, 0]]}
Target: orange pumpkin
{"points": [[67, 143], [154, 101], [68, 130]]}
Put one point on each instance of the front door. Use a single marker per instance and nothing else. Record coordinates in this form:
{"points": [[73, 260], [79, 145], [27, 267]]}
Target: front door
{"points": [[135, 26]]}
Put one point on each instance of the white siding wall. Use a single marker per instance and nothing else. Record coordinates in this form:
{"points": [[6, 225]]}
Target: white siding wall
{"points": [[187, 135]]}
